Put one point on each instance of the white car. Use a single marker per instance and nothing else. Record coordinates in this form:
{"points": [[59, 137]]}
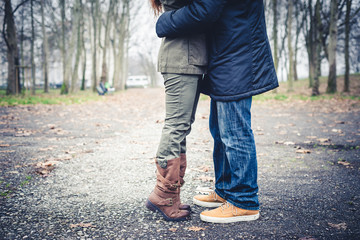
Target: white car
{"points": [[138, 81]]}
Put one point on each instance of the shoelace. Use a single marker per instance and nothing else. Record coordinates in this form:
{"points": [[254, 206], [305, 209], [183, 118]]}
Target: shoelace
{"points": [[227, 205]]}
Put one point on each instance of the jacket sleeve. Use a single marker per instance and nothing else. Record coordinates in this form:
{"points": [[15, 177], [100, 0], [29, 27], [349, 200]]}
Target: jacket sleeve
{"points": [[193, 18]]}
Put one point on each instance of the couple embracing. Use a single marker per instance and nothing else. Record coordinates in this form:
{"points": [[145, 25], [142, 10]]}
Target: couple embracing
{"points": [[219, 48]]}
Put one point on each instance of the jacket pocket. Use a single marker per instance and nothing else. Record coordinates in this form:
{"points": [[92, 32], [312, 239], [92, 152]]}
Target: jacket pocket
{"points": [[198, 50]]}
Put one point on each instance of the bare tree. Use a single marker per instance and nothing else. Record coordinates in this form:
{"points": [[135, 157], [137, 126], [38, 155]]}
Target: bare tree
{"points": [[275, 34], [290, 48], [331, 88], [45, 49], [77, 13], [119, 42], [318, 34], [109, 15], [95, 16], [32, 48], [64, 87], [347, 40], [10, 38]]}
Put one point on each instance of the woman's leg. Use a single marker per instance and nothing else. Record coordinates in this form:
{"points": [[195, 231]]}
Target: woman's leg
{"points": [[180, 97]]}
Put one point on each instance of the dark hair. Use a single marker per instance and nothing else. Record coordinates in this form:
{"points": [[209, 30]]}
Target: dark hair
{"points": [[156, 6]]}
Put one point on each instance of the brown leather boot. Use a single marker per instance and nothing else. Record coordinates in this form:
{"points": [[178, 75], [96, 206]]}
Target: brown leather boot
{"points": [[182, 174], [165, 198]]}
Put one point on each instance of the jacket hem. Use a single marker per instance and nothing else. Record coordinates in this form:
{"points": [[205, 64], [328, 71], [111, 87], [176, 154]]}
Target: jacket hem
{"points": [[244, 95]]}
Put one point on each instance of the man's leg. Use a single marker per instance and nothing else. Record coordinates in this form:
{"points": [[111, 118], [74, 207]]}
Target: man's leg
{"points": [[235, 163], [237, 170]]}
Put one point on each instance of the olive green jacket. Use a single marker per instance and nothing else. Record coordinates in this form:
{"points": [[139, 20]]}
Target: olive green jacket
{"points": [[182, 55]]}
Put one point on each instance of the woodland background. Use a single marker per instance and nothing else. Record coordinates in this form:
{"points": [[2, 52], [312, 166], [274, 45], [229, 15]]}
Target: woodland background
{"points": [[76, 43]]}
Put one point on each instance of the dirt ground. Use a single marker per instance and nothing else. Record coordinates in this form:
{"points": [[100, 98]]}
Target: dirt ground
{"points": [[84, 171]]}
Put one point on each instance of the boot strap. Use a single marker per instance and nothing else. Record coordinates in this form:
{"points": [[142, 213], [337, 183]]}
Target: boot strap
{"points": [[166, 202], [167, 183]]}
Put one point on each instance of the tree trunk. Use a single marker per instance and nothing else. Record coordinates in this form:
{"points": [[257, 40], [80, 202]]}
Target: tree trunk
{"points": [[82, 88], [275, 34], [45, 49], [347, 39], [77, 23], [290, 49], [22, 62], [310, 42], [315, 89], [94, 14], [32, 48], [121, 33], [104, 72], [331, 88], [13, 83], [64, 87]]}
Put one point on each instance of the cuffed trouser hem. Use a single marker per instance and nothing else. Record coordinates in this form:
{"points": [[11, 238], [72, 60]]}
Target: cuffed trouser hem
{"points": [[239, 205]]}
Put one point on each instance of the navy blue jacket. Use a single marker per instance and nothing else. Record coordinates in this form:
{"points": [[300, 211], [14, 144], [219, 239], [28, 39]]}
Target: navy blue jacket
{"points": [[240, 61]]}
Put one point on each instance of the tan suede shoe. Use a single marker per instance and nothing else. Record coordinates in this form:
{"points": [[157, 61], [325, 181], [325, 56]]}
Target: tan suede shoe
{"points": [[228, 213], [212, 200]]}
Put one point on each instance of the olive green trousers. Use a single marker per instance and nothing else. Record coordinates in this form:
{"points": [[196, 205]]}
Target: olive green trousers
{"points": [[182, 96]]}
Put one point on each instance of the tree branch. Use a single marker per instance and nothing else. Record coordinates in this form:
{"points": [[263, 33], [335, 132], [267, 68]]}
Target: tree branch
{"points": [[18, 6]]}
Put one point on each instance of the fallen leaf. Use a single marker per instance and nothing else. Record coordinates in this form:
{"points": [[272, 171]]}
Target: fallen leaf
{"points": [[289, 143], [204, 178], [196, 229], [336, 130], [84, 225], [4, 145], [344, 163], [324, 140], [7, 151], [340, 226], [350, 141], [172, 229], [339, 122], [307, 238], [304, 151]]}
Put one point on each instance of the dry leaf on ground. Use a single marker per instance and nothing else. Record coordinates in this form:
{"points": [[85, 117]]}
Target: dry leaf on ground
{"points": [[172, 229], [336, 130], [304, 151], [196, 229], [345, 163], [204, 178], [340, 226], [84, 225]]}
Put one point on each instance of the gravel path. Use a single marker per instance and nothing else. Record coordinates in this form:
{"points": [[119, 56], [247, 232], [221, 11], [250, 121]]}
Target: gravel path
{"points": [[85, 171]]}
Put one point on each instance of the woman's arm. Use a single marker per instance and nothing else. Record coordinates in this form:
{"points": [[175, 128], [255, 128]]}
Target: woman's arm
{"points": [[190, 19]]}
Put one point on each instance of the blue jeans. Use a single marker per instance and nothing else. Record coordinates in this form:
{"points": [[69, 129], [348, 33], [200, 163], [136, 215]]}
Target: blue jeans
{"points": [[234, 154]]}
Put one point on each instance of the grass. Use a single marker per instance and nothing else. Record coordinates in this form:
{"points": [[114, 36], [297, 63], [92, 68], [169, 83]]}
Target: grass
{"points": [[303, 92], [53, 97]]}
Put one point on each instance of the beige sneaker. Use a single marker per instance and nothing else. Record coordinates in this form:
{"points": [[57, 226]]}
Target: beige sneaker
{"points": [[228, 213], [212, 200]]}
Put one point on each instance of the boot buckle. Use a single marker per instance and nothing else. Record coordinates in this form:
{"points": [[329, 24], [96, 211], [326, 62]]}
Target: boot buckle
{"points": [[170, 202]]}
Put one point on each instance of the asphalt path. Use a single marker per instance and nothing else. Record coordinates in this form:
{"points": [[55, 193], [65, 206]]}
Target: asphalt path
{"points": [[84, 171]]}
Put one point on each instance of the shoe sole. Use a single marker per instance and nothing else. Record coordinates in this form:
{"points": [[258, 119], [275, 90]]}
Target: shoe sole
{"points": [[154, 208], [207, 204], [245, 218]]}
